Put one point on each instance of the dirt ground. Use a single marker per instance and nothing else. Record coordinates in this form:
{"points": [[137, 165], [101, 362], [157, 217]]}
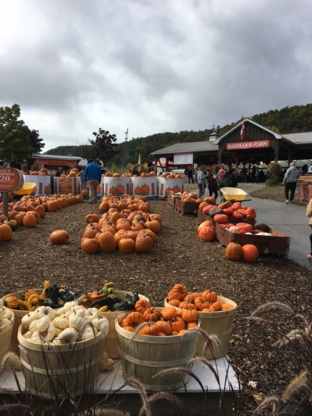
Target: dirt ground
{"points": [[178, 257]]}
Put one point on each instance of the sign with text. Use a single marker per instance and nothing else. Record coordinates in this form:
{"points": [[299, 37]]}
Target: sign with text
{"points": [[11, 179], [183, 158], [56, 162], [259, 144]]}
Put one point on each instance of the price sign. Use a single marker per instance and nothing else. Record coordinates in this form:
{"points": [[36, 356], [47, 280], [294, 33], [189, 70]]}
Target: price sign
{"points": [[11, 179]]}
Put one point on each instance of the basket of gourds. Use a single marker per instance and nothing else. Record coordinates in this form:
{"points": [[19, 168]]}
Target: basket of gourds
{"points": [[111, 303], [61, 349], [22, 302]]}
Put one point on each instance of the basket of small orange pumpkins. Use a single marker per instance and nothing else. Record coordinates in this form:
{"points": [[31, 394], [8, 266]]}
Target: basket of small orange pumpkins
{"points": [[151, 340], [216, 314]]}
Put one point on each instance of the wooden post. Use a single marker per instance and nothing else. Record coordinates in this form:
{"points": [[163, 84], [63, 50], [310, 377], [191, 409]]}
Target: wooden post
{"points": [[5, 203]]}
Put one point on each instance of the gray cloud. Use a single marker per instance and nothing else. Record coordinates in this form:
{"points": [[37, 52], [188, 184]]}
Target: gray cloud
{"points": [[151, 66]]}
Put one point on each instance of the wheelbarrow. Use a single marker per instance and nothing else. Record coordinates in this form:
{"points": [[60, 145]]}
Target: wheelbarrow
{"points": [[233, 195], [27, 189]]}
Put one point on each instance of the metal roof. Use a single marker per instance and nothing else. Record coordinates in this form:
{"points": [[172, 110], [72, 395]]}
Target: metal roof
{"points": [[43, 156], [299, 137], [191, 147]]}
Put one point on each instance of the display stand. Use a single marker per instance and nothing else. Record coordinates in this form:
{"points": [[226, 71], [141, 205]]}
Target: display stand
{"points": [[144, 186], [165, 186], [112, 389], [43, 183], [116, 186], [67, 185]]}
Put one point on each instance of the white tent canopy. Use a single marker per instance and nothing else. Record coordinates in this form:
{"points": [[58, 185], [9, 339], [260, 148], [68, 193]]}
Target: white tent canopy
{"points": [[83, 163]]}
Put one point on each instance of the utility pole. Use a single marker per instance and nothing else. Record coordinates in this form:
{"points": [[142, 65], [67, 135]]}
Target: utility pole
{"points": [[125, 152]]}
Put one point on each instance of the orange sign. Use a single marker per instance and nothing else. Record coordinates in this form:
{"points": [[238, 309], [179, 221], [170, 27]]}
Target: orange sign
{"points": [[56, 162], [10, 179]]}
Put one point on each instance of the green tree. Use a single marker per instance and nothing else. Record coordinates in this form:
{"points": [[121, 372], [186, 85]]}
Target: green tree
{"points": [[103, 147], [35, 141], [15, 145]]}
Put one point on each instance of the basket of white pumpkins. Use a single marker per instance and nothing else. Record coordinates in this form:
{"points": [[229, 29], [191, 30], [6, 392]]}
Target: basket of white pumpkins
{"points": [[61, 350]]}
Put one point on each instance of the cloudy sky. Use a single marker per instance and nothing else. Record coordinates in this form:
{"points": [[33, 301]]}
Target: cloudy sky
{"points": [[151, 65]]}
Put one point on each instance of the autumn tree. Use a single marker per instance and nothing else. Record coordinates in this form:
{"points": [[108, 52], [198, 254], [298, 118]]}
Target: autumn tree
{"points": [[102, 147]]}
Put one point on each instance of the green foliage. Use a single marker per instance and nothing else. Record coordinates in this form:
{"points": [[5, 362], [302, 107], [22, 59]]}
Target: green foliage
{"points": [[286, 120], [103, 147], [274, 171], [15, 145], [272, 182]]}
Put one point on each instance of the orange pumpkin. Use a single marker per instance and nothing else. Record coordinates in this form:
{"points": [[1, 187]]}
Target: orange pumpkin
{"points": [[250, 253], [6, 232], [59, 237], [106, 242]]}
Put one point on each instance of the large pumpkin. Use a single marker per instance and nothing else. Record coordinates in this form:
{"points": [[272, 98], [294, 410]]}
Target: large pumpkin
{"points": [[6, 232], [233, 252], [107, 242], [143, 244], [250, 253], [206, 233], [59, 237]]}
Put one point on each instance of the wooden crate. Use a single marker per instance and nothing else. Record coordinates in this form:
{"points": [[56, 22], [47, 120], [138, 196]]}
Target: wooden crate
{"points": [[171, 200], [277, 244], [186, 207]]}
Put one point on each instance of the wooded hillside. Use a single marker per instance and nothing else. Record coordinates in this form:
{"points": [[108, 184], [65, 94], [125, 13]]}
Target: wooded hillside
{"points": [[287, 120]]}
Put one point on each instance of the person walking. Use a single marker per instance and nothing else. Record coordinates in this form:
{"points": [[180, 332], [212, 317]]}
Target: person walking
{"points": [[290, 181], [212, 185], [201, 180], [257, 174], [244, 174], [81, 175], [92, 175], [190, 175], [309, 214]]}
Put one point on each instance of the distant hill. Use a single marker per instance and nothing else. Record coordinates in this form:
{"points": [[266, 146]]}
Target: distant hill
{"points": [[294, 119]]}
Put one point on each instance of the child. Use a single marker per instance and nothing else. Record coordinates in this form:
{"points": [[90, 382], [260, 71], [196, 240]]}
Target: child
{"points": [[309, 214]]}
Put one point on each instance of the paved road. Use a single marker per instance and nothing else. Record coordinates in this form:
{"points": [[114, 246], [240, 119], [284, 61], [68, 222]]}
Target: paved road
{"points": [[288, 219]]}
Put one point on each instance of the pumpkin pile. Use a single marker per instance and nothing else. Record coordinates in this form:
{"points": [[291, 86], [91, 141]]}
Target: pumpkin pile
{"points": [[227, 211], [30, 209], [207, 301], [51, 295], [67, 325], [126, 224], [6, 317], [159, 321]]}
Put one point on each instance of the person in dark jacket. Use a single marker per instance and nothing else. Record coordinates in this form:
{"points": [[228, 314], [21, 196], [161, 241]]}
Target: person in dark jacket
{"points": [[92, 175], [229, 179], [212, 184]]}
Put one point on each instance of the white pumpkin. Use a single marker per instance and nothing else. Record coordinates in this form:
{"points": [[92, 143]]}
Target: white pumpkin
{"points": [[61, 322], [43, 323]]}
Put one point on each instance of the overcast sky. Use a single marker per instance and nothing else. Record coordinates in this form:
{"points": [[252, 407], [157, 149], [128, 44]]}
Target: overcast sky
{"points": [[151, 66]]}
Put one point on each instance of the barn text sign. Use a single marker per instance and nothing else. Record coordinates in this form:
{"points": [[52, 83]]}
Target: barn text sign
{"points": [[248, 145]]}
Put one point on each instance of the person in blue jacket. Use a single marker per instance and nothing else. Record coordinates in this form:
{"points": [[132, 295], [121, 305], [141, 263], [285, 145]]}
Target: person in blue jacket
{"points": [[92, 176]]}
